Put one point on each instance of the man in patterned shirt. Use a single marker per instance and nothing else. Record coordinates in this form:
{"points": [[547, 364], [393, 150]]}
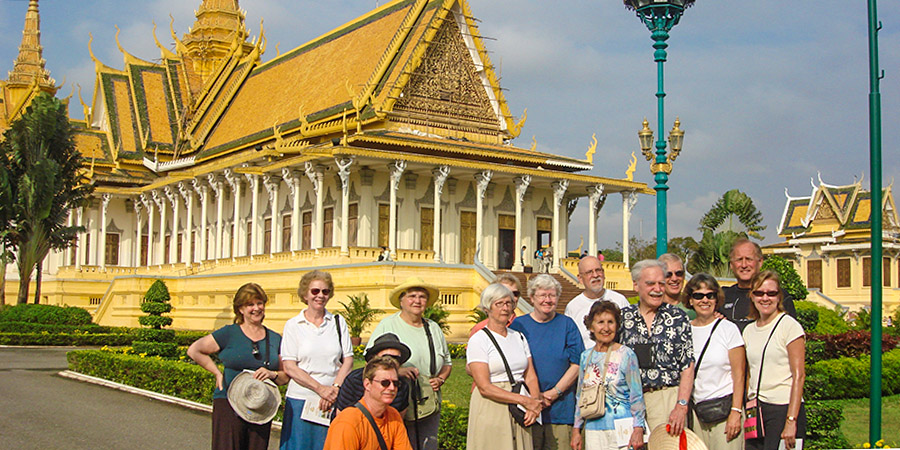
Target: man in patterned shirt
{"points": [[660, 335]]}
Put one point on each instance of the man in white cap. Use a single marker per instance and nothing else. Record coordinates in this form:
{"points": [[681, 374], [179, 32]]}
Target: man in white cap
{"points": [[593, 277], [372, 421]]}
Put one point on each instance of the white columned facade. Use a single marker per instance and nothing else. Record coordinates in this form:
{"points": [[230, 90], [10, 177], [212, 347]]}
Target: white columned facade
{"points": [[314, 173], [138, 233], [215, 182], [203, 191], [271, 185], [253, 182], [79, 251], [629, 199], [343, 164], [175, 201], [292, 179], [396, 168], [482, 179], [440, 177], [101, 248], [596, 199], [161, 244], [559, 193], [188, 196], [150, 204], [67, 254], [521, 188], [235, 182]]}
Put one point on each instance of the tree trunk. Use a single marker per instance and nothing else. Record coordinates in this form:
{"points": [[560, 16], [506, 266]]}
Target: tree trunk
{"points": [[26, 267], [3, 265], [37, 287]]}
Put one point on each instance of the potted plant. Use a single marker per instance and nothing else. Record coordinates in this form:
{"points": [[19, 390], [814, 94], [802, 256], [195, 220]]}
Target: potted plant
{"points": [[358, 315]]}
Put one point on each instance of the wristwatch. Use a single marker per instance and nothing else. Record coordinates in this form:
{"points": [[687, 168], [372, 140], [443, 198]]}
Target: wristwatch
{"points": [[682, 402], [792, 418]]}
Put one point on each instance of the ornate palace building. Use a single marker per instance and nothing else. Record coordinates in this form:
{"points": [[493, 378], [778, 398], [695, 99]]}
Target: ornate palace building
{"points": [[214, 168], [828, 237]]}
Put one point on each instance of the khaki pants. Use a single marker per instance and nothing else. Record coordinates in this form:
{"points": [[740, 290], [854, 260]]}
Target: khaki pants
{"points": [[713, 435], [551, 436], [660, 405]]}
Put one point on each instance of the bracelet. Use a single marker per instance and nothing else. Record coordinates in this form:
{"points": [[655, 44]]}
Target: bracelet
{"points": [[737, 410], [558, 392], [276, 375]]}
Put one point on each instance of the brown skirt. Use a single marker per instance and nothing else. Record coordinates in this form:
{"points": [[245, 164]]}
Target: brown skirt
{"points": [[491, 427]]}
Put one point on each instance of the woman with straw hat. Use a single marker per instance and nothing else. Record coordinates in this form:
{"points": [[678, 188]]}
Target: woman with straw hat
{"points": [[429, 364], [245, 344], [317, 356]]}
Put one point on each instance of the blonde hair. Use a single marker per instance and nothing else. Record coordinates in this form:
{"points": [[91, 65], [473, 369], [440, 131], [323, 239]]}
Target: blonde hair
{"points": [[756, 283], [244, 295]]}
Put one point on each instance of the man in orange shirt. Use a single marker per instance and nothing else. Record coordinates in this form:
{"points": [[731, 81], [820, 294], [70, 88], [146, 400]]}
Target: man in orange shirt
{"points": [[372, 420]]}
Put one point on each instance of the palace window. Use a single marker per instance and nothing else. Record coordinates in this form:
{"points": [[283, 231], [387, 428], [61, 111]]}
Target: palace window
{"points": [[353, 224], [867, 271], [167, 245], [384, 221], [307, 230], [814, 274], [74, 250], [843, 272], [145, 245], [179, 248], [286, 233], [467, 238], [267, 236], [886, 272], [112, 249], [426, 229], [328, 226]]}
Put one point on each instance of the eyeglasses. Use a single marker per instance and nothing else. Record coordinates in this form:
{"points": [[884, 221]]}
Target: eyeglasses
{"points": [[546, 296], [504, 304], [678, 273], [255, 351], [516, 294], [765, 293], [315, 291], [387, 382], [702, 295]]}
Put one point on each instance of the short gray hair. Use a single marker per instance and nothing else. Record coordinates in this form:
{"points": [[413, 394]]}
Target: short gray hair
{"points": [[543, 281], [642, 265], [492, 293], [670, 257]]}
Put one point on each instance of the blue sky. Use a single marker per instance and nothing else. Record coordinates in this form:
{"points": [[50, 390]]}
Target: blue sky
{"points": [[769, 93]]}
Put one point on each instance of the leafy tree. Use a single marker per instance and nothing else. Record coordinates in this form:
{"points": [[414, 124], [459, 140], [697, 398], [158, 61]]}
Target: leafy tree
{"points": [[359, 314], [42, 170], [733, 216], [155, 304], [790, 279], [713, 253], [685, 247]]}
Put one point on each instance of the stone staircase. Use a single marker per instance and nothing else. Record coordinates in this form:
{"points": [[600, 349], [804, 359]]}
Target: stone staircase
{"points": [[570, 290]]}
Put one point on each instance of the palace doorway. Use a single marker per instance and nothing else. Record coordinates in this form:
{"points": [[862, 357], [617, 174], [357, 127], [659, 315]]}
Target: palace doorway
{"points": [[507, 242]]}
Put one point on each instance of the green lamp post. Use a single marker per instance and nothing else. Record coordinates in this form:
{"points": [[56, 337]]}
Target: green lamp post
{"points": [[660, 16]]}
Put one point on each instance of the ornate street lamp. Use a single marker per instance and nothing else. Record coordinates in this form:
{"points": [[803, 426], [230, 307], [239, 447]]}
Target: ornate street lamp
{"points": [[660, 16]]}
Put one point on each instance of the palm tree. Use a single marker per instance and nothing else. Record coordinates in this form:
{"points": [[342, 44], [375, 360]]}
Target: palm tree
{"points": [[45, 182], [733, 216]]}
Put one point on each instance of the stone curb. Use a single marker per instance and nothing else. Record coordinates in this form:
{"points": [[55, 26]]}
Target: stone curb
{"points": [[276, 425]]}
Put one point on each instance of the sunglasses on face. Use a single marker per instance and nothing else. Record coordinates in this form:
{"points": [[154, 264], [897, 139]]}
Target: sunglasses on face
{"points": [[386, 382], [677, 273], [765, 293], [315, 291], [516, 294], [702, 295], [255, 350]]}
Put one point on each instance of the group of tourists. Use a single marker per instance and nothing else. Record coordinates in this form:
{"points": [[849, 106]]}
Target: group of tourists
{"points": [[718, 368], [722, 368], [392, 403]]}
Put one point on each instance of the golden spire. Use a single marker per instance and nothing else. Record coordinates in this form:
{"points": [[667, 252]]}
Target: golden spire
{"points": [[29, 68], [219, 24]]}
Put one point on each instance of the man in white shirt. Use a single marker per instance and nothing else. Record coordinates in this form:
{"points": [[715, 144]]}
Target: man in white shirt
{"points": [[593, 277]]}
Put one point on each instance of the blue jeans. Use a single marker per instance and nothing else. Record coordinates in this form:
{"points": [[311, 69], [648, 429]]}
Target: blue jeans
{"points": [[299, 434]]}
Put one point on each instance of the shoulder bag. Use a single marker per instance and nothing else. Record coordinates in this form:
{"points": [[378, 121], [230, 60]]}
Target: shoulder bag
{"points": [[593, 398], [753, 423], [423, 399], [717, 409], [517, 388], [371, 420]]}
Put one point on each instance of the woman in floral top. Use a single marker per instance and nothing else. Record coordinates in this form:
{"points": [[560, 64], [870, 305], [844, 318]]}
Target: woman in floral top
{"points": [[624, 395]]}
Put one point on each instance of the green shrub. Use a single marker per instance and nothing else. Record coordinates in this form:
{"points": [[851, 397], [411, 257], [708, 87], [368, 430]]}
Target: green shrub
{"points": [[29, 327], [154, 335], [849, 377], [47, 314], [852, 343], [815, 351], [64, 339], [823, 426], [790, 279], [453, 427], [808, 318], [186, 338], [358, 314], [163, 349], [439, 315], [457, 351], [830, 322], [156, 322], [155, 304], [155, 308]]}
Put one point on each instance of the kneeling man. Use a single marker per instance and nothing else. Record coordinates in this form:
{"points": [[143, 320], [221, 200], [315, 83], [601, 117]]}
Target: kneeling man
{"points": [[372, 419]]}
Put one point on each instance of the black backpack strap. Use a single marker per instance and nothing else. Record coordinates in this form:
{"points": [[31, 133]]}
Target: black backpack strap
{"points": [[431, 348], [762, 358], [512, 381], [337, 327], [371, 419], [703, 352]]}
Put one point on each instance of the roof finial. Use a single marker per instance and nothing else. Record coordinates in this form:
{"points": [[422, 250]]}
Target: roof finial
{"points": [[29, 65]]}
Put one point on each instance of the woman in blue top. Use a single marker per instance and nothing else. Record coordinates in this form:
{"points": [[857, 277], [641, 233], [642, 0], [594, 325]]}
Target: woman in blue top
{"points": [[245, 344], [556, 347], [624, 394]]}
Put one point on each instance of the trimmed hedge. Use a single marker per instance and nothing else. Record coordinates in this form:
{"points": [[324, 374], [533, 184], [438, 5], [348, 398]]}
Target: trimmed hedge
{"points": [[829, 321], [29, 327], [49, 314], [823, 427], [849, 377], [64, 339], [182, 380]]}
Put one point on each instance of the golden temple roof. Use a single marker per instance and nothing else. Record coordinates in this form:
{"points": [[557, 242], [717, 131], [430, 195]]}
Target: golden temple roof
{"points": [[830, 209]]}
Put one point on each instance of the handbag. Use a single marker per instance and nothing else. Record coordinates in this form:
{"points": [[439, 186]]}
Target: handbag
{"points": [[717, 409], [753, 423], [518, 388], [593, 398], [424, 400]]}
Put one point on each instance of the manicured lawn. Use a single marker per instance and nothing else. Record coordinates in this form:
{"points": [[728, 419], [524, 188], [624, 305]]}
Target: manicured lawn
{"points": [[856, 420]]}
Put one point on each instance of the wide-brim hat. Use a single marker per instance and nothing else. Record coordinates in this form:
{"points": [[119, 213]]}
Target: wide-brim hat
{"points": [[388, 340], [414, 282], [253, 400], [660, 439]]}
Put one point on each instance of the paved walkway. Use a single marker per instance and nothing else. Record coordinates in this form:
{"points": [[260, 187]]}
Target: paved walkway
{"points": [[40, 409]]}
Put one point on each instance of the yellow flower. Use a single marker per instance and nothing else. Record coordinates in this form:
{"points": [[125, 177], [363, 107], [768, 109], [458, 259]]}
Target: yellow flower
{"points": [[879, 443], [866, 445]]}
